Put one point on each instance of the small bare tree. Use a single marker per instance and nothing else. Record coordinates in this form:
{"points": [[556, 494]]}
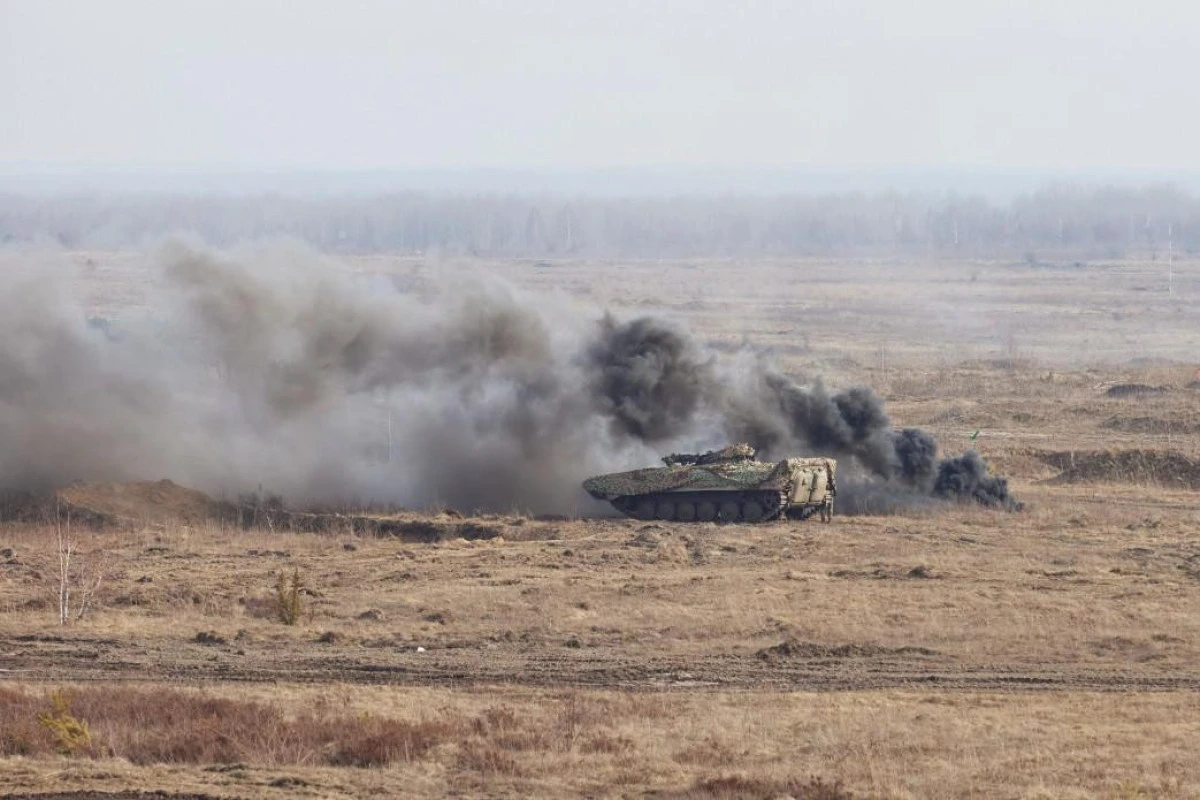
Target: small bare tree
{"points": [[84, 576]]}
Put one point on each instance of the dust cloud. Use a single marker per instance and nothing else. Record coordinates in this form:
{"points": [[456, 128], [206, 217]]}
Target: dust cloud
{"points": [[272, 368]]}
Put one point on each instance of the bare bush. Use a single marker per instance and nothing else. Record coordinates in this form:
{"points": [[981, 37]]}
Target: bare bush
{"points": [[80, 573], [288, 593]]}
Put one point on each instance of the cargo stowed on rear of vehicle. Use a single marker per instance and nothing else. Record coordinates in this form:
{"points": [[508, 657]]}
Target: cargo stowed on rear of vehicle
{"points": [[727, 485]]}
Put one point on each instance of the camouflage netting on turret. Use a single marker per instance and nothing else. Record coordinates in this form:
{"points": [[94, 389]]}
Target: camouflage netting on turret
{"points": [[734, 452]]}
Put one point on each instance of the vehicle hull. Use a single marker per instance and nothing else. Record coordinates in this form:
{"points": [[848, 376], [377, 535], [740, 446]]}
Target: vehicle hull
{"points": [[710, 488]]}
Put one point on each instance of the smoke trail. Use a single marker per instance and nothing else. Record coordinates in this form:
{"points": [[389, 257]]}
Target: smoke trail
{"points": [[271, 367]]}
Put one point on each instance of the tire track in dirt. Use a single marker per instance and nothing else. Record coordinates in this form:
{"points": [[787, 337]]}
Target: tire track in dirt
{"points": [[83, 660]]}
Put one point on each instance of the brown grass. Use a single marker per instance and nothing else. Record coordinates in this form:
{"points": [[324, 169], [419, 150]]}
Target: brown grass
{"points": [[1092, 584], [927, 744], [168, 726], [963, 653], [1091, 588]]}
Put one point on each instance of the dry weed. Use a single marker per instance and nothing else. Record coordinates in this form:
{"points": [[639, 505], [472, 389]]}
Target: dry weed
{"points": [[149, 726]]}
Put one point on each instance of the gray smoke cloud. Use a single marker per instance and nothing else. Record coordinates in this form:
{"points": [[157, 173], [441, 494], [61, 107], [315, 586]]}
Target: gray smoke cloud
{"points": [[274, 367]]}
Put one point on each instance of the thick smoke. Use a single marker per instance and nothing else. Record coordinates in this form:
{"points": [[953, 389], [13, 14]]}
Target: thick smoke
{"points": [[967, 477], [884, 469], [649, 378], [778, 416], [275, 368]]}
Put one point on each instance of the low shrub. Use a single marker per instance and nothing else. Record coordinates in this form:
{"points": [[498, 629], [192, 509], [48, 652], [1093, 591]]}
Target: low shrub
{"points": [[150, 726], [288, 605], [71, 734]]}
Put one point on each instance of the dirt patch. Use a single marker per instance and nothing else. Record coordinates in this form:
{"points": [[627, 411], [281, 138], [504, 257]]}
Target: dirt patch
{"points": [[1157, 467], [794, 649], [1124, 390], [884, 572], [473, 531], [418, 530]]}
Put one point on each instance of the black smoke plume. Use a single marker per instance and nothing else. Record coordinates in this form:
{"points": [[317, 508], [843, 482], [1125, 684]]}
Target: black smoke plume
{"points": [[273, 367], [649, 378], [884, 469], [966, 478]]}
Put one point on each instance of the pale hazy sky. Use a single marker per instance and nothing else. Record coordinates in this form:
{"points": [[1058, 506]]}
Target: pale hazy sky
{"points": [[584, 83]]}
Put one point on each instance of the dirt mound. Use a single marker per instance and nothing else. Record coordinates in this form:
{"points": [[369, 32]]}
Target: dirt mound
{"points": [[793, 648], [1150, 425], [159, 503], [119, 505], [1159, 467], [103, 505], [1121, 390], [1026, 463], [143, 502]]}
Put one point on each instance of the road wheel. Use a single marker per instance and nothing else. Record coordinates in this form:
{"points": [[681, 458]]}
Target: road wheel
{"points": [[706, 511], [644, 509], [664, 509], [685, 511], [730, 511], [752, 511]]}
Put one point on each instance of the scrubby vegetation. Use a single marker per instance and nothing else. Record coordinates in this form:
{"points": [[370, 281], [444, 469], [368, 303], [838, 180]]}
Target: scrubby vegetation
{"points": [[148, 726]]}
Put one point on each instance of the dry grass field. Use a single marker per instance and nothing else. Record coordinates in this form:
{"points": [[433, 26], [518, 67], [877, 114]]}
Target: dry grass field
{"points": [[955, 652]]}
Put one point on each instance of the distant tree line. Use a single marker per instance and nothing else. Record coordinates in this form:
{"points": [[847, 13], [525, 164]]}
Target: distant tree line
{"points": [[1096, 223]]}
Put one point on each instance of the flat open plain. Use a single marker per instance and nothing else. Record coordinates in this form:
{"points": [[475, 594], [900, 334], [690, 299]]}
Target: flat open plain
{"points": [[1053, 652]]}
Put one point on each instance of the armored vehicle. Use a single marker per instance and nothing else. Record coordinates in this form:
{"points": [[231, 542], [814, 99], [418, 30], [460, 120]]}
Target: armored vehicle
{"points": [[726, 484]]}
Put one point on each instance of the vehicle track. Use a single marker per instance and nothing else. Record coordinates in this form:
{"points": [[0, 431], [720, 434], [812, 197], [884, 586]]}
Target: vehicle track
{"points": [[103, 660]]}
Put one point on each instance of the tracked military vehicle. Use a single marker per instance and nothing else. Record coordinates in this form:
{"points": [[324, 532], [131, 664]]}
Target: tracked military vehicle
{"points": [[727, 485]]}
